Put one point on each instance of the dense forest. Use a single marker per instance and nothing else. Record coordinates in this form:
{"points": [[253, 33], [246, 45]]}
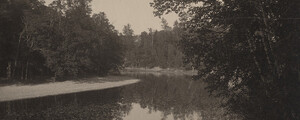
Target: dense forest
{"points": [[62, 40], [247, 51], [154, 48]]}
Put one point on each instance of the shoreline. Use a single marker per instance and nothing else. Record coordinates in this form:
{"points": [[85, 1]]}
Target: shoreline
{"points": [[17, 92], [157, 70]]}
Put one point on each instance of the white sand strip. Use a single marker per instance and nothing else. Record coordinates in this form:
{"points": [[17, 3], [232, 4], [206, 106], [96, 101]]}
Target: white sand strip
{"points": [[14, 92]]}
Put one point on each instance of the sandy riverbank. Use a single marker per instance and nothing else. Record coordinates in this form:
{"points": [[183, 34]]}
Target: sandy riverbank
{"points": [[15, 92]]}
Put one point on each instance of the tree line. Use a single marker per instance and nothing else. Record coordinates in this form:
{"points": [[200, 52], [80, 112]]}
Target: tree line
{"points": [[62, 40], [154, 48]]}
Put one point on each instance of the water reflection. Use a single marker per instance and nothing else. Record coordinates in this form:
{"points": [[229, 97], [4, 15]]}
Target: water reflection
{"points": [[101, 105], [179, 96], [155, 97]]}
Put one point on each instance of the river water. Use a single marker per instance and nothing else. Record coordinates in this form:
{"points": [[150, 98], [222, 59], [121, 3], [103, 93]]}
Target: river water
{"points": [[156, 97]]}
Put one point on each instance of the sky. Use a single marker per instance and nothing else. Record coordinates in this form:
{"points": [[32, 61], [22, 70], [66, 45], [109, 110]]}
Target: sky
{"points": [[137, 13]]}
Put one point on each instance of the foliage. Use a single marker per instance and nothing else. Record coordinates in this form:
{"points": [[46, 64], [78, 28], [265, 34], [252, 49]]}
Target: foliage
{"points": [[247, 52], [16, 56], [63, 39]]}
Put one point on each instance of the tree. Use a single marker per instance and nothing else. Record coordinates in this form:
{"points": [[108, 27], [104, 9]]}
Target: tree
{"points": [[247, 52], [106, 53], [74, 27], [127, 30], [164, 24], [128, 39], [63, 40], [16, 53]]}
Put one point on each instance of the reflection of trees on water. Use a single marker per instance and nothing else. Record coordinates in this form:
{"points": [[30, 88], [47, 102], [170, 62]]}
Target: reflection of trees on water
{"points": [[178, 96], [102, 105]]}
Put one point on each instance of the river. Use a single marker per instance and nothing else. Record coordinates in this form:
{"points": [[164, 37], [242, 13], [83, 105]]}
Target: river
{"points": [[156, 97]]}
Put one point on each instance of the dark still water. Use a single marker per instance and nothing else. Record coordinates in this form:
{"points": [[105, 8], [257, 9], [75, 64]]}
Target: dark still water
{"points": [[154, 98]]}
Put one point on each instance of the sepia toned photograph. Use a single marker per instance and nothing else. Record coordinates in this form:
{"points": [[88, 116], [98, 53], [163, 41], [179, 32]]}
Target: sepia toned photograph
{"points": [[149, 59]]}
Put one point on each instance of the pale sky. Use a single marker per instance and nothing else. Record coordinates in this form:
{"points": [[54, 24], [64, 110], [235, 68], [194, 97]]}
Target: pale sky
{"points": [[138, 13]]}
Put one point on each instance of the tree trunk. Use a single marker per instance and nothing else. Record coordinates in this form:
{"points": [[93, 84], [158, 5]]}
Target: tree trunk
{"points": [[18, 53], [251, 47], [22, 72], [26, 73], [8, 70]]}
